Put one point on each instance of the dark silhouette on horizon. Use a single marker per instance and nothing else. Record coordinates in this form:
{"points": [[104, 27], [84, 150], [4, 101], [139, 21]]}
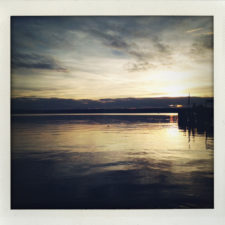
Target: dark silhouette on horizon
{"points": [[120, 105]]}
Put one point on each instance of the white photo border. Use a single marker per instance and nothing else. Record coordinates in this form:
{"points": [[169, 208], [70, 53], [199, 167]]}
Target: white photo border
{"points": [[100, 217]]}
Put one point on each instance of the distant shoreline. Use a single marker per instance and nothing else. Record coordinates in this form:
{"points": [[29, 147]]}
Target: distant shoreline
{"points": [[143, 110]]}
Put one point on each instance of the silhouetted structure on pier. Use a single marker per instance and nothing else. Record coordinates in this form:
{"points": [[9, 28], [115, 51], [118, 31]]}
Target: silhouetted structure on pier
{"points": [[196, 118]]}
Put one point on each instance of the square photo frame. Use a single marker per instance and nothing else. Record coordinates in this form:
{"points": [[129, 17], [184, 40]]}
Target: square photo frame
{"points": [[114, 216]]}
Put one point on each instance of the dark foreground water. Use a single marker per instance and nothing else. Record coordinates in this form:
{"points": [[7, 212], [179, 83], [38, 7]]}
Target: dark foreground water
{"points": [[109, 161]]}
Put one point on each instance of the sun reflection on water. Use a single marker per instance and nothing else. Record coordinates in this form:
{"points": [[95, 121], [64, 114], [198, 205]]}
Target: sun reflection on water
{"points": [[147, 153]]}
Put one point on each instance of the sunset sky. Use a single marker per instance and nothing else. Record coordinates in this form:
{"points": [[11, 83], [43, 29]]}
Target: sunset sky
{"points": [[111, 57]]}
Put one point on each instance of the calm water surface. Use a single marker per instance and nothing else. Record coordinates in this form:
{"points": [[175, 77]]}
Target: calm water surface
{"points": [[106, 161]]}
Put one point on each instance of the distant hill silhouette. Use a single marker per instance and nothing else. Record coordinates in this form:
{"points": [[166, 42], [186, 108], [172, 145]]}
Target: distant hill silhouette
{"points": [[25, 105]]}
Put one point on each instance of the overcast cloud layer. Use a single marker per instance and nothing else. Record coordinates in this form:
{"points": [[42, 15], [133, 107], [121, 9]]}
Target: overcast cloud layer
{"points": [[111, 57]]}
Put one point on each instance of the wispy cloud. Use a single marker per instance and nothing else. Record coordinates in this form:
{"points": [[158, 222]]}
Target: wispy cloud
{"points": [[194, 30], [208, 33], [202, 47], [36, 61]]}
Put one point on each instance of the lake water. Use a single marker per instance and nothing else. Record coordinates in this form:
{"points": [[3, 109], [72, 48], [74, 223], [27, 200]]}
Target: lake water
{"points": [[109, 161]]}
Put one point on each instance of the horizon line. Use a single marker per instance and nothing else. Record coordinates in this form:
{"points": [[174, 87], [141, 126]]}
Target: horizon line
{"points": [[97, 99]]}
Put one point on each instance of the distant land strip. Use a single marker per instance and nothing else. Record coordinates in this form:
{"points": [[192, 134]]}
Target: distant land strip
{"points": [[123, 105], [143, 110]]}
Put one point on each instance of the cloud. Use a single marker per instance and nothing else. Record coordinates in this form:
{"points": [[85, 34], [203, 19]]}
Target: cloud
{"points": [[194, 30], [110, 39], [105, 51], [160, 46], [201, 46], [126, 41], [139, 66], [142, 40], [158, 54], [36, 61], [208, 33]]}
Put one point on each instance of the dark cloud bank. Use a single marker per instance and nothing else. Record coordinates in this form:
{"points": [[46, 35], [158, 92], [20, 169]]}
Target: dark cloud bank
{"points": [[36, 61], [32, 35], [69, 105]]}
